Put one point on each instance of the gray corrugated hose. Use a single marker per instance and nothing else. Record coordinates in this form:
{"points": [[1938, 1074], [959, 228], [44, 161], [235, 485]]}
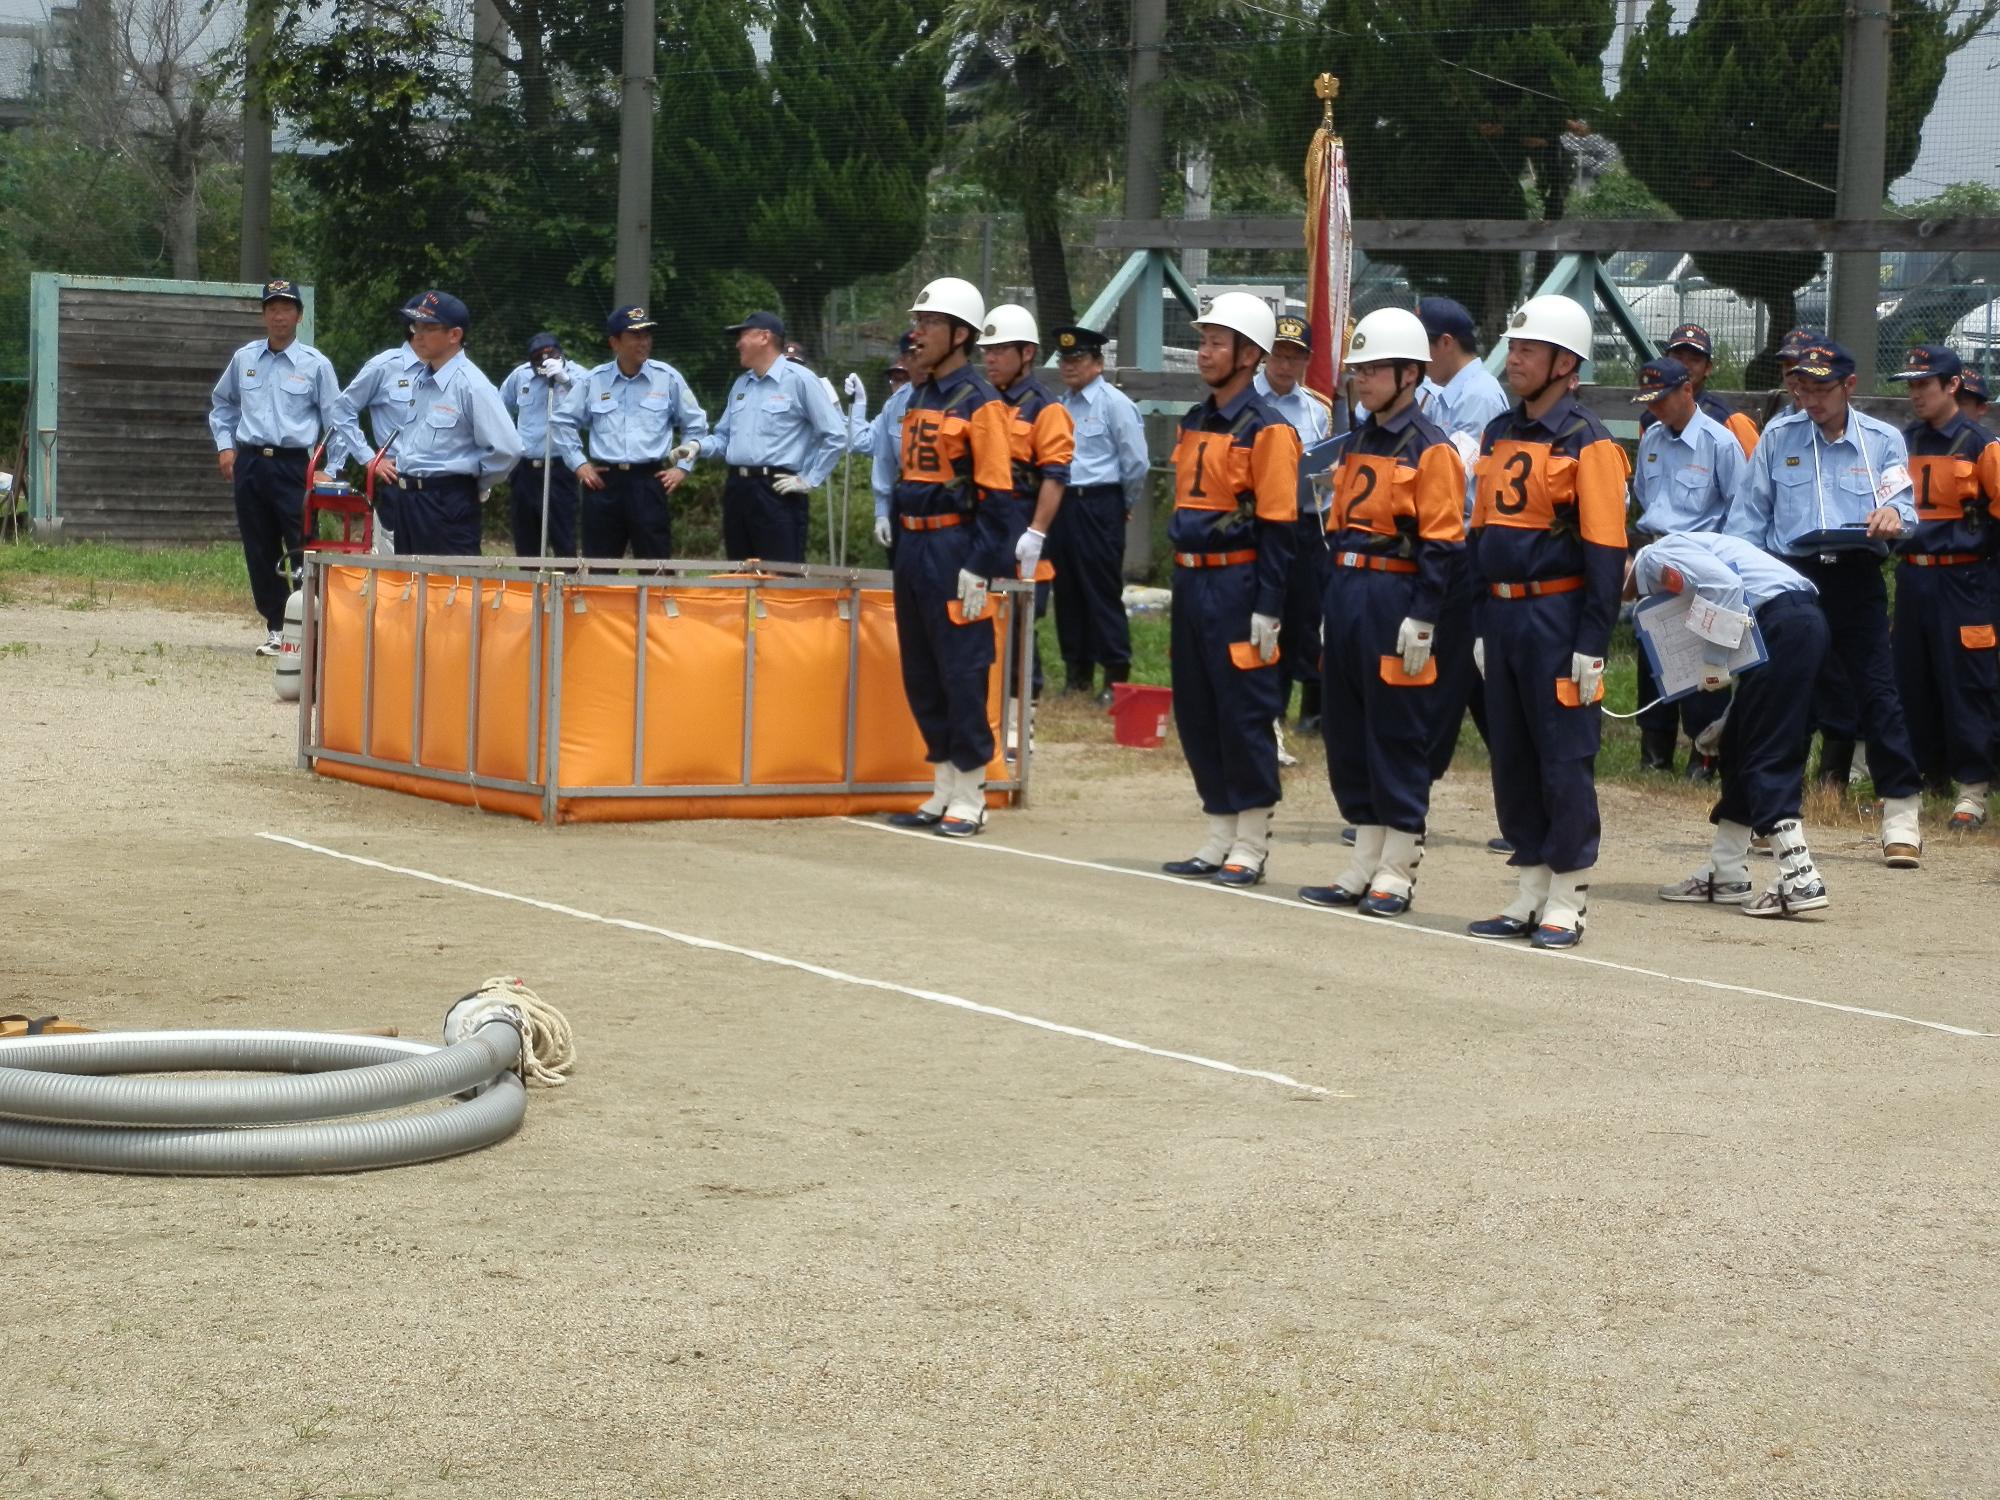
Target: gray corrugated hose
{"points": [[58, 1114]]}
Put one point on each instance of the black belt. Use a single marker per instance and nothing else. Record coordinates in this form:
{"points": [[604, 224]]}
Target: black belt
{"points": [[758, 471], [642, 464], [421, 482], [271, 452], [1089, 489]]}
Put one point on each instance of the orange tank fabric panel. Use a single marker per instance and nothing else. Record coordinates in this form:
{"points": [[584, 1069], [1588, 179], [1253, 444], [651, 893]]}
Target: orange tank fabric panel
{"points": [[343, 627], [800, 710], [887, 744], [394, 684], [1942, 485], [1274, 472], [1439, 494], [447, 654], [1055, 435], [457, 793], [1603, 473], [1210, 471], [694, 688], [600, 660], [506, 624]]}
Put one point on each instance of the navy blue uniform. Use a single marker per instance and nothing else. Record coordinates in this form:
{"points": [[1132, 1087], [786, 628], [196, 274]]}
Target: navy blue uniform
{"points": [[1398, 536], [1944, 637], [1236, 500], [1548, 547], [1041, 441], [951, 508]]}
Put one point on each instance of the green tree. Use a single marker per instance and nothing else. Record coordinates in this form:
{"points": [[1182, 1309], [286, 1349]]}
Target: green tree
{"points": [[857, 126], [1738, 117], [1447, 115]]}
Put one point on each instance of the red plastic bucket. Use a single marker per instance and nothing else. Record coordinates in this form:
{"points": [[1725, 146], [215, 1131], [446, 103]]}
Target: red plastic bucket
{"points": [[1139, 714]]}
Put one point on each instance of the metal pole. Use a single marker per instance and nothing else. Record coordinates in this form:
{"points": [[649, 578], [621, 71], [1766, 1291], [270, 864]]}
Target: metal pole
{"points": [[1864, 124], [254, 253], [548, 461], [637, 91], [1139, 324]]}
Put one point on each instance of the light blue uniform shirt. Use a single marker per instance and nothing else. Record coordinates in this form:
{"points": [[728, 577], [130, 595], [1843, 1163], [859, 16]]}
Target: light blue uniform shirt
{"points": [[886, 461], [386, 389], [1686, 480], [526, 396], [281, 399], [1797, 482], [459, 426], [1110, 439], [1463, 406], [1723, 569], [631, 419], [782, 419]]}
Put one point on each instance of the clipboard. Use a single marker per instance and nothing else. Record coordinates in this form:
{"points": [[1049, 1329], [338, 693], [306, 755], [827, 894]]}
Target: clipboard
{"points": [[1675, 652]]}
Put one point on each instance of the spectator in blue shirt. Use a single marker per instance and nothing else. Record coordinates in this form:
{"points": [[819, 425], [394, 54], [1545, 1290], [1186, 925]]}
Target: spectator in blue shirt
{"points": [[1087, 544], [532, 391]]}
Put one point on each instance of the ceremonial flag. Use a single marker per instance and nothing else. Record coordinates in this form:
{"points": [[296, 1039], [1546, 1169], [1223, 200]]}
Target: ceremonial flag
{"points": [[1329, 249]]}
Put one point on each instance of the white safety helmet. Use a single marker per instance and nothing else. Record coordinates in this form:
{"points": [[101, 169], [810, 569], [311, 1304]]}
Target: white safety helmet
{"points": [[1250, 316], [1558, 320], [953, 297], [1388, 333], [1010, 323]]}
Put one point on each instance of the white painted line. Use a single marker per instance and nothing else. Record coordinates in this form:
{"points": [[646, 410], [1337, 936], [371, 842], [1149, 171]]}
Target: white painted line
{"points": [[713, 945], [1417, 929]]}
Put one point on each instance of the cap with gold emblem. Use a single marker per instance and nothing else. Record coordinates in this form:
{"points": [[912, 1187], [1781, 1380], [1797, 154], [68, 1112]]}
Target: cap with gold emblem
{"points": [[629, 320], [1293, 330], [1078, 340], [280, 290]]}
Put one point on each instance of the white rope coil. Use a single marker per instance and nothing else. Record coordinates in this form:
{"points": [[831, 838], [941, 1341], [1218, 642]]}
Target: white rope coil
{"points": [[548, 1049]]}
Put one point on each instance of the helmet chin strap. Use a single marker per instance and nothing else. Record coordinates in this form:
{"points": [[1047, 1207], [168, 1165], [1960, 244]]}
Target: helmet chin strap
{"points": [[1554, 379]]}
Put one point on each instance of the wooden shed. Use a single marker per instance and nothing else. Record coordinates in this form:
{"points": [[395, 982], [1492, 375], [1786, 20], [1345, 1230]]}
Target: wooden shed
{"points": [[121, 369]]}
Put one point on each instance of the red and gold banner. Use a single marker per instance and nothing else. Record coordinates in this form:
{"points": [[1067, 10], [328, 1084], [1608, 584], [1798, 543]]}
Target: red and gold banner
{"points": [[1329, 248]]}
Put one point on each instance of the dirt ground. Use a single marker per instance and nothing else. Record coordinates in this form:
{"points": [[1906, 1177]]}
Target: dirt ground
{"points": [[1677, 1216]]}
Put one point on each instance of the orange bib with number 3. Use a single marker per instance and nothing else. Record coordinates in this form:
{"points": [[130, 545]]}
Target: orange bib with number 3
{"points": [[1520, 485]]}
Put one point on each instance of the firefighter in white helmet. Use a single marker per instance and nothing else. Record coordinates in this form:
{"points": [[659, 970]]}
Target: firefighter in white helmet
{"points": [[1548, 547], [1042, 441], [1397, 527], [1236, 501], [951, 509]]}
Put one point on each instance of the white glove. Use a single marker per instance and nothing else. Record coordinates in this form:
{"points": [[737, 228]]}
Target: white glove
{"points": [[1413, 640], [791, 484], [1028, 552], [853, 386], [883, 531], [1264, 636], [1479, 655], [971, 594], [684, 453], [554, 371], [1587, 672], [1714, 679]]}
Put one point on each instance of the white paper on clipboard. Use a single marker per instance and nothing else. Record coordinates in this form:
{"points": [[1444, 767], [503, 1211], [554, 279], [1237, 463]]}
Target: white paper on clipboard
{"points": [[1675, 650]]}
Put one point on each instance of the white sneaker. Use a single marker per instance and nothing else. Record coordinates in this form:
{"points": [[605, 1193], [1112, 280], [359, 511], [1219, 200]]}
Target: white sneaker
{"points": [[1705, 887], [274, 643], [1779, 902]]}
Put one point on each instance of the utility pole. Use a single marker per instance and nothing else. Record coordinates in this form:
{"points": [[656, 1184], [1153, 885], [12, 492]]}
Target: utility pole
{"points": [[1864, 125], [489, 37], [254, 248], [1139, 320], [638, 89]]}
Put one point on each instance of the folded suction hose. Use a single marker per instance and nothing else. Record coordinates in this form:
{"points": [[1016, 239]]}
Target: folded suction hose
{"points": [[61, 1104]]}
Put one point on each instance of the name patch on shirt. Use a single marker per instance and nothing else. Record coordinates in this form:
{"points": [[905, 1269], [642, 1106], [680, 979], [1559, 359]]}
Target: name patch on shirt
{"points": [[1792, 462]]}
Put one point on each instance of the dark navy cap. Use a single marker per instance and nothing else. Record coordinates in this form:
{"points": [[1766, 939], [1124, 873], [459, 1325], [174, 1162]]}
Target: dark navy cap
{"points": [[437, 307], [1973, 383], [1824, 360], [1441, 316], [1076, 339], [277, 289], [629, 319], [542, 341], [1796, 342], [903, 347], [1659, 377], [1926, 360], [1691, 336], [1293, 330], [768, 321]]}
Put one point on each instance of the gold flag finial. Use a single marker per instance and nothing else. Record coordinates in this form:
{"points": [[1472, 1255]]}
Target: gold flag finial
{"points": [[1328, 89]]}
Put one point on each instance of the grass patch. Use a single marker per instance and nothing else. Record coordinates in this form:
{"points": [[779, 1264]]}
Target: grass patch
{"points": [[85, 575]]}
